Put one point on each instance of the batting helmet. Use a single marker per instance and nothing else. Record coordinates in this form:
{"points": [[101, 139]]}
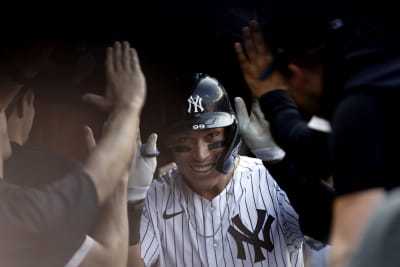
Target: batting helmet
{"points": [[204, 104]]}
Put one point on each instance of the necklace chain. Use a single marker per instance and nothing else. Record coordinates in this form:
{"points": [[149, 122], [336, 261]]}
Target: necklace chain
{"points": [[229, 193]]}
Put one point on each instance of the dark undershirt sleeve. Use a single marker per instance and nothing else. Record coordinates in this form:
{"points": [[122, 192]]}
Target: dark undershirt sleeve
{"points": [[308, 148], [358, 144], [51, 221], [312, 199]]}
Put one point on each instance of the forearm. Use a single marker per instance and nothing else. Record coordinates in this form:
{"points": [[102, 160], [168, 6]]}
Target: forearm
{"points": [[291, 132], [350, 214], [134, 258], [113, 155], [308, 197], [111, 233]]}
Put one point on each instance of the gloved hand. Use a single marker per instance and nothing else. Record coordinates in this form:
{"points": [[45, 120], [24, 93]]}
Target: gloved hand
{"points": [[142, 172], [256, 132]]}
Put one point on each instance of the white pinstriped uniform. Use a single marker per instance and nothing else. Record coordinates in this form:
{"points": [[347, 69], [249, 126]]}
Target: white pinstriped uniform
{"points": [[198, 232]]}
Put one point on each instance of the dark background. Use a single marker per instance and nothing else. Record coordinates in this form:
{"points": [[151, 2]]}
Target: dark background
{"points": [[172, 38]]}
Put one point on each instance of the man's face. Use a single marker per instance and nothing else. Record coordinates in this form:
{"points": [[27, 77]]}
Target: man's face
{"points": [[196, 154], [306, 88]]}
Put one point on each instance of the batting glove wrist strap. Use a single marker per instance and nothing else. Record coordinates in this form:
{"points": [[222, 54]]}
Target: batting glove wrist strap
{"points": [[137, 193], [268, 153], [134, 214]]}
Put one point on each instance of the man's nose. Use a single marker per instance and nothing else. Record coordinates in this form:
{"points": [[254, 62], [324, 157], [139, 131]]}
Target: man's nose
{"points": [[200, 151]]}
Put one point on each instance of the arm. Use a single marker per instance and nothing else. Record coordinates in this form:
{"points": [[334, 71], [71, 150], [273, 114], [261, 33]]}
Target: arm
{"points": [[308, 196], [110, 244], [134, 259], [111, 233], [292, 133], [124, 98], [140, 178], [350, 214], [359, 175], [288, 127]]}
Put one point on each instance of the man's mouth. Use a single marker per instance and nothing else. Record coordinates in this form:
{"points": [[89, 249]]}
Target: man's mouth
{"points": [[204, 168]]}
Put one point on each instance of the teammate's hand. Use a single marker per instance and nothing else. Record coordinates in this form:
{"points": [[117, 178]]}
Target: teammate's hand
{"points": [[255, 58], [126, 85], [142, 171], [256, 132]]}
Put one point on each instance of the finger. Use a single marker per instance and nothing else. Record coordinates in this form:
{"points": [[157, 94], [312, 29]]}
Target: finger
{"points": [[126, 59], [162, 170], [151, 144], [135, 63], [256, 110], [243, 61], [89, 137], [109, 62], [241, 111], [249, 44], [138, 138], [117, 53], [97, 100], [258, 39]]}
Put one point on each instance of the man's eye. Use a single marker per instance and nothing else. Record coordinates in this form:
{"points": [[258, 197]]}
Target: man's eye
{"points": [[183, 140], [213, 136]]}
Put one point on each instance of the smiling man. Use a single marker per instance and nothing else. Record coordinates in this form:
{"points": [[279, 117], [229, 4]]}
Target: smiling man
{"points": [[216, 208]]}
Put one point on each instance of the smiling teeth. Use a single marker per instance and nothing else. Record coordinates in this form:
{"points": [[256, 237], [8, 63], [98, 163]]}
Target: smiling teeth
{"points": [[203, 169]]}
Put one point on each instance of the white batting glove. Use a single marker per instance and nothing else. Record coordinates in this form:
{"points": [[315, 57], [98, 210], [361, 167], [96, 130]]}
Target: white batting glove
{"points": [[256, 132], [142, 171]]}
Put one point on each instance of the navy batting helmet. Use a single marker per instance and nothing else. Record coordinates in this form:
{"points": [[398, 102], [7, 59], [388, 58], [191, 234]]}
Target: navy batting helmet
{"points": [[204, 104]]}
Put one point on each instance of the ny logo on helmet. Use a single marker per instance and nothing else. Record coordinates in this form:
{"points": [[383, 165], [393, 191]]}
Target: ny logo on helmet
{"points": [[195, 103]]}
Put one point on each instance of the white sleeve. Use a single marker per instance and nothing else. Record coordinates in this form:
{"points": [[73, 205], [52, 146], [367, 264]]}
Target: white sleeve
{"points": [[81, 253]]}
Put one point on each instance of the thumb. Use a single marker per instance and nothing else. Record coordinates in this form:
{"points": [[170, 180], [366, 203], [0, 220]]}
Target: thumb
{"points": [[241, 111], [151, 144], [89, 136], [149, 149], [97, 100]]}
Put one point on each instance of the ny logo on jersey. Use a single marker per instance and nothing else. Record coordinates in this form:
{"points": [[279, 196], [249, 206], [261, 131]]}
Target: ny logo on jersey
{"points": [[195, 103], [243, 234]]}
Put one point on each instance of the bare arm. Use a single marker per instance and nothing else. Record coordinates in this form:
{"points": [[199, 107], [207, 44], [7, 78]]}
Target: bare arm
{"points": [[110, 247], [111, 234], [350, 215], [124, 98], [134, 259]]}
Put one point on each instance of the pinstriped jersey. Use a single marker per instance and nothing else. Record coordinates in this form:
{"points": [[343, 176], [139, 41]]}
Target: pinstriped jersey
{"points": [[250, 223]]}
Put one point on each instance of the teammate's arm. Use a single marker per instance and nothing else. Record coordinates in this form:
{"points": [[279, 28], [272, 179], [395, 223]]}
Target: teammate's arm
{"points": [[123, 99], [348, 209], [110, 237], [134, 258]]}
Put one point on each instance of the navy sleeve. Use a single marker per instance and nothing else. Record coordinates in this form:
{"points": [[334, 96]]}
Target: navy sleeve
{"points": [[308, 148], [312, 199], [45, 226], [358, 144]]}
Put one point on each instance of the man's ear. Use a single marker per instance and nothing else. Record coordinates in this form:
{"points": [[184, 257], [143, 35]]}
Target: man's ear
{"points": [[297, 76]]}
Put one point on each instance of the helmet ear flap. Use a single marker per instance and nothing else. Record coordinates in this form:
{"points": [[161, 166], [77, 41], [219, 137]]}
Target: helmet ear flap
{"points": [[225, 163]]}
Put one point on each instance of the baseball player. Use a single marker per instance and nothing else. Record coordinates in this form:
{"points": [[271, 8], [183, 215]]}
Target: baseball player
{"points": [[216, 208]]}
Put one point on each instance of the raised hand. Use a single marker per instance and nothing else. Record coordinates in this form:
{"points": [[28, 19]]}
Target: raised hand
{"points": [[142, 171], [126, 84], [254, 59]]}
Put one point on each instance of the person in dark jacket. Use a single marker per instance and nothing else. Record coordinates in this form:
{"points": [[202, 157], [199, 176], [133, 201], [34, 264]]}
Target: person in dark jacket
{"points": [[342, 63]]}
